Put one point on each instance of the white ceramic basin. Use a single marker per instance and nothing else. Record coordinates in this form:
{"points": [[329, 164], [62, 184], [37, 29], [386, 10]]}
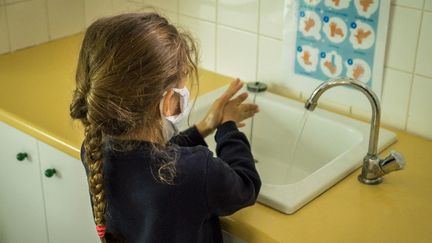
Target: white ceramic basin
{"points": [[331, 147]]}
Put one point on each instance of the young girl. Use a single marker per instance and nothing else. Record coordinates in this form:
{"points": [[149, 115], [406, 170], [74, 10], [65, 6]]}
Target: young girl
{"points": [[147, 182]]}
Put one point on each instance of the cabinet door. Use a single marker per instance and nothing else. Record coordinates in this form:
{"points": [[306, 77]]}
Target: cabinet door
{"points": [[67, 200], [22, 217]]}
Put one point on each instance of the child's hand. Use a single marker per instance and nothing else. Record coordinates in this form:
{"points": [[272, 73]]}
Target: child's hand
{"points": [[215, 114], [236, 111]]}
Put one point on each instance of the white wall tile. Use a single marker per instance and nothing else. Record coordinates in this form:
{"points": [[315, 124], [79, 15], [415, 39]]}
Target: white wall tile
{"points": [[350, 99], [402, 39], [242, 14], [420, 111], [428, 5], [170, 5], [203, 9], [236, 53], [65, 17], [125, 6], [271, 18], [4, 34], [424, 52], [28, 24], [354, 99], [166, 8], [396, 94], [409, 3], [335, 106], [172, 17], [361, 113], [95, 9], [205, 35], [270, 69], [122, 6]]}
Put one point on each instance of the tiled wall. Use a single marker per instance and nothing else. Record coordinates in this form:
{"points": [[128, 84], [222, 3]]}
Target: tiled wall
{"points": [[243, 38]]}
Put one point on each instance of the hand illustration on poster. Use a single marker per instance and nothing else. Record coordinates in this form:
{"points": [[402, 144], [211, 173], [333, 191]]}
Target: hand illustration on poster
{"points": [[366, 8], [307, 57], [362, 35], [358, 69], [331, 64], [335, 29], [310, 24]]}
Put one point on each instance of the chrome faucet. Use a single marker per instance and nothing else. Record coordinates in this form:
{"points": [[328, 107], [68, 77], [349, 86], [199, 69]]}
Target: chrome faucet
{"points": [[373, 167]]}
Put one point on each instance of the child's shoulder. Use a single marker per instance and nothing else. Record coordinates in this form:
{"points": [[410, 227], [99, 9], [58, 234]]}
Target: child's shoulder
{"points": [[193, 159], [196, 152]]}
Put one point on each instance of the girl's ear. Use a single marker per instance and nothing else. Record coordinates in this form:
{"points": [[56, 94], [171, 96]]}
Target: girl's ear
{"points": [[167, 109]]}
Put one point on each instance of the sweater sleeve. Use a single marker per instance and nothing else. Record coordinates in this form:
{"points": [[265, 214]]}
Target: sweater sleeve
{"points": [[232, 179], [189, 138]]}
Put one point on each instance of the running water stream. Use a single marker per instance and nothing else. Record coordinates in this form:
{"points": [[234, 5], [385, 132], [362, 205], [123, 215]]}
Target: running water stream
{"points": [[292, 155]]}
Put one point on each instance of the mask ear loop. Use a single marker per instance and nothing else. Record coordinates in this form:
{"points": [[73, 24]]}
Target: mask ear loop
{"points": [[169, 129], [161, 103], [184, 93]]}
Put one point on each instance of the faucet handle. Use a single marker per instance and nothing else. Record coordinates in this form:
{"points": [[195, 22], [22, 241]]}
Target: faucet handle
{"points": [[394, 161]]}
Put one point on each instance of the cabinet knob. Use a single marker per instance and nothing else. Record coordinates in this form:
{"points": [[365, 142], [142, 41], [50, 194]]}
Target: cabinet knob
{"points": [[50, 172], [21, 156]]}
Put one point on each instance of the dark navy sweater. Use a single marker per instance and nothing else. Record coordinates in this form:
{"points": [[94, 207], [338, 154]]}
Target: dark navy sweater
{"points": [[141, 209]]}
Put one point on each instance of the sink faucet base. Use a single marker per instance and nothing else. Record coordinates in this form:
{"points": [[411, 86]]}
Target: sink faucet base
{"points": [[370, 181]]}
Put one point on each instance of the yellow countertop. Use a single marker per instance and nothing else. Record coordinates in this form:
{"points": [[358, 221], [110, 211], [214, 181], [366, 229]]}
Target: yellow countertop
{"points": [[35, 91]]}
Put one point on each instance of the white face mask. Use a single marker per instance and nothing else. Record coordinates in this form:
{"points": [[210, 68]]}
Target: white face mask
{"points": [[179, 119]]}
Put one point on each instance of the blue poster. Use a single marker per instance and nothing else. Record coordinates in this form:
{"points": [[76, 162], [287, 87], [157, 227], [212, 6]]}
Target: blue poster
{"points": [[336, 38]]}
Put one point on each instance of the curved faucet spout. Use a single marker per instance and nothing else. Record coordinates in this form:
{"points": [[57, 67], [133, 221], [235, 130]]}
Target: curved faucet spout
{"points": [[373, 167], [312, 102]]}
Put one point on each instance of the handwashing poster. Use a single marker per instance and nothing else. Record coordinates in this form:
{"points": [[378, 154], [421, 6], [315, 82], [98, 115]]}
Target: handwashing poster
{"points": [[336, 38]]}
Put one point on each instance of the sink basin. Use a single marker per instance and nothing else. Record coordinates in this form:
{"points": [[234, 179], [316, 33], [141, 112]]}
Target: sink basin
{"points": [[330, 147]]}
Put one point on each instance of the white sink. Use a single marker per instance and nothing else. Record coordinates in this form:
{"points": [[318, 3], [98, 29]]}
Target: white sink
{"points": [[331, 147]]}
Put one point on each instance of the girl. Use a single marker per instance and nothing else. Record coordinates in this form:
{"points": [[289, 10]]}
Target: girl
{"points": [[147, 183]]}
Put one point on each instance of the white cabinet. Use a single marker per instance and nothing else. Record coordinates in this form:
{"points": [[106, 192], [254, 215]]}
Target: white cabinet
{"points": [[37, 208], [22, 216], [67, 202]]}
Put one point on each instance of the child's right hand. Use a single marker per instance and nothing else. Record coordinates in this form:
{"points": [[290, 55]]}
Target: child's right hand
{"points": [[235, 110], [227, 109]]}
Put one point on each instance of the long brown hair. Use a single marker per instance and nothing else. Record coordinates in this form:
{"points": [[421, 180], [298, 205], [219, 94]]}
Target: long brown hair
{"points": [[125, 65]]}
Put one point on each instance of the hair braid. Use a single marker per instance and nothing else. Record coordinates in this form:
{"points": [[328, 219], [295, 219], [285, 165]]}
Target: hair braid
{"points": [[93, 144]]}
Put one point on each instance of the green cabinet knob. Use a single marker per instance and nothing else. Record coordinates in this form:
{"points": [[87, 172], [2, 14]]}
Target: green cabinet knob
{"points": [[49, 172], [21, 156]]}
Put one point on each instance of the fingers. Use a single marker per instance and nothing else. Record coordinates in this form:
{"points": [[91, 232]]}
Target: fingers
{"points": [[239, 113], [248, 110], [240, 98], [234, 87], [249, 107]]}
